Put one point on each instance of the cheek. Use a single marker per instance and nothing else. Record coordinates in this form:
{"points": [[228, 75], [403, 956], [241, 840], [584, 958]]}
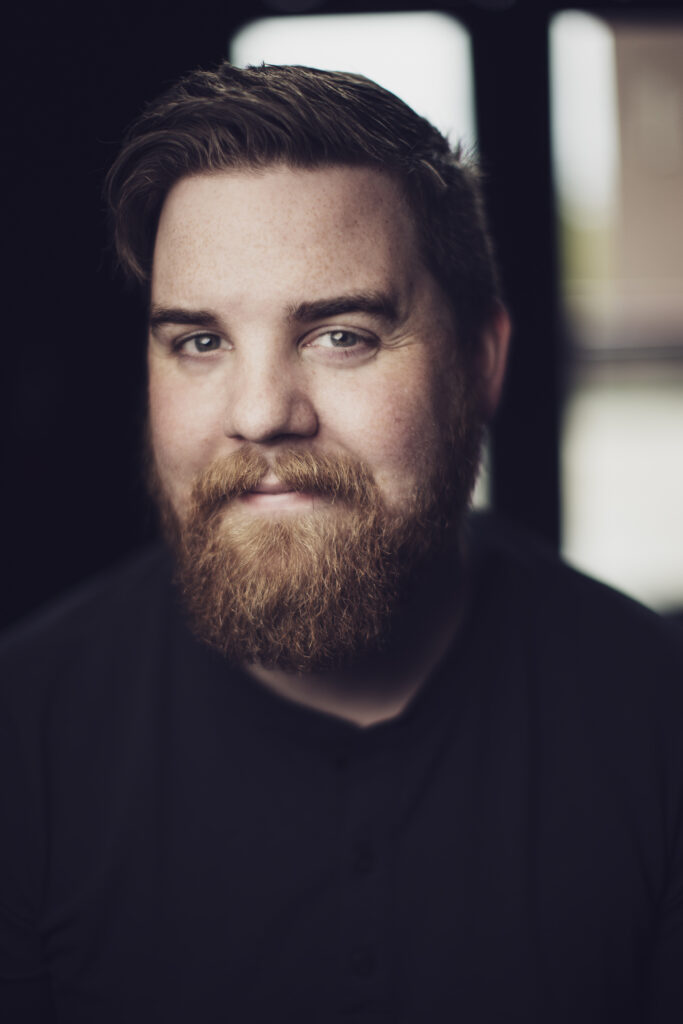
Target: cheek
{"points": [[393, 429], [181, 433]]}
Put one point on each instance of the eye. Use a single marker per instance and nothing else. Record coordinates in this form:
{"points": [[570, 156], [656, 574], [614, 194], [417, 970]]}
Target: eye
{"points": [[199, 343], [341, 343], [339, 339]]}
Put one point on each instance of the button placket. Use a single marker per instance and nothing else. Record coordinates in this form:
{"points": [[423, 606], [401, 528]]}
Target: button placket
{"points": [[365, 901]]}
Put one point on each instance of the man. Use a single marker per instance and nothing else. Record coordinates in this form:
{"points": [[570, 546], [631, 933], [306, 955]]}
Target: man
{"points": [[345, 756]]}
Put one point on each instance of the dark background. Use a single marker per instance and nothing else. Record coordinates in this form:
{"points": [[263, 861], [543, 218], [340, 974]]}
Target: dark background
{"points": [[73, 381]]}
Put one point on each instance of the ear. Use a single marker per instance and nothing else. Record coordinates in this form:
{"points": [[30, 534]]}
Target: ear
{"points": [[493, 353]]}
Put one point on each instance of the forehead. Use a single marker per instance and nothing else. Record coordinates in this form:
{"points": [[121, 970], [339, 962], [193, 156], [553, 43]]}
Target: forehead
{"points": [[284, 230]]}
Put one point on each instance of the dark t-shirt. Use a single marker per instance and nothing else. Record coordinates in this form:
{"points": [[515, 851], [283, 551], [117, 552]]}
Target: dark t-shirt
{"points": [[179, 844]]}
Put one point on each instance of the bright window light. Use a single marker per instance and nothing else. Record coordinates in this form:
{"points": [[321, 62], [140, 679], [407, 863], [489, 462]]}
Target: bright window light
{"points": [[623, 506], [617, 90], [584, 116], [422, 57]]}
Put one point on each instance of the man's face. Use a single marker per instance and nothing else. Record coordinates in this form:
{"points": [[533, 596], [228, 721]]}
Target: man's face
{"points": [[291, 311], [306, 318]]}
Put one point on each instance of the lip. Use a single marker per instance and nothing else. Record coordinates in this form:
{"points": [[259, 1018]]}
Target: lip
{"points": [[278, 501], [272, 495], [272, 486]]}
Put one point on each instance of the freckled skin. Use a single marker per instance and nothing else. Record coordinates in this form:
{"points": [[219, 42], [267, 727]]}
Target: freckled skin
{"points": [[247, 246]]}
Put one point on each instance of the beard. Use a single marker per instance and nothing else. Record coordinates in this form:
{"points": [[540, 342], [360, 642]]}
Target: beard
{"points": [[314, 591]]}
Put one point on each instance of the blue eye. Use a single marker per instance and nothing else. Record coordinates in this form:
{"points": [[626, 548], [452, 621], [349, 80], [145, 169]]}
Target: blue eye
{"points": [[341, 345], [343, 339], [202, 342]]}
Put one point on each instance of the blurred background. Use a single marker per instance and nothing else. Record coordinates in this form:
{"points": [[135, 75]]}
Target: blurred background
{"points": [[577, 116]]}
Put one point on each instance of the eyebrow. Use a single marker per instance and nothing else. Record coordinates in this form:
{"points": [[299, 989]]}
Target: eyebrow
{"points": [[377, 304], [160, 316]]}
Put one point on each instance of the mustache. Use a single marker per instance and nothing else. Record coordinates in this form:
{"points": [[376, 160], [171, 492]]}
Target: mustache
{"points": [[334, 476]]}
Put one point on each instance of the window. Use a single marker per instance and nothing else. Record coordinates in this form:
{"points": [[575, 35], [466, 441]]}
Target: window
{"points": [[618, 155], [422, 57]]}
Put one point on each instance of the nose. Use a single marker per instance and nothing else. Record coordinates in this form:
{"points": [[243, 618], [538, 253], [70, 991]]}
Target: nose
{"points": [[269, 401]]}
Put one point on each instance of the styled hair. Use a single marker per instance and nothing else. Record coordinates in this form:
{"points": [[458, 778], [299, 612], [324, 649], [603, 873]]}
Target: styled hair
{"points": [[306, 118]]}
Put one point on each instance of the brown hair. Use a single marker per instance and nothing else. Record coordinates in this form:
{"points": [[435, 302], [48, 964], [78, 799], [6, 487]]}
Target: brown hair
{"points": [[303, 117]]}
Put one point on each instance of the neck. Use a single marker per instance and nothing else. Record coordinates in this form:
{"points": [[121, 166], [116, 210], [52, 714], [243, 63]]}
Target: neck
{"points": [[379, 687]]}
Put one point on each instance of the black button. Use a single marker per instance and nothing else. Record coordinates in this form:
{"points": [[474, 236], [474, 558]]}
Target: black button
{"points": [[363, 961], [363, 859]]}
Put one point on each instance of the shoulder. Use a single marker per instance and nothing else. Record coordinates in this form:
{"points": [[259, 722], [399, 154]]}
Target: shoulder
{"points": [[507, 555], [600, 678], [106, 614], [572, 621]]}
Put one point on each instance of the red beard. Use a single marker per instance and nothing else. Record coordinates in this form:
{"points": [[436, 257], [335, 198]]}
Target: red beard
{"points": [[315, 590]]}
